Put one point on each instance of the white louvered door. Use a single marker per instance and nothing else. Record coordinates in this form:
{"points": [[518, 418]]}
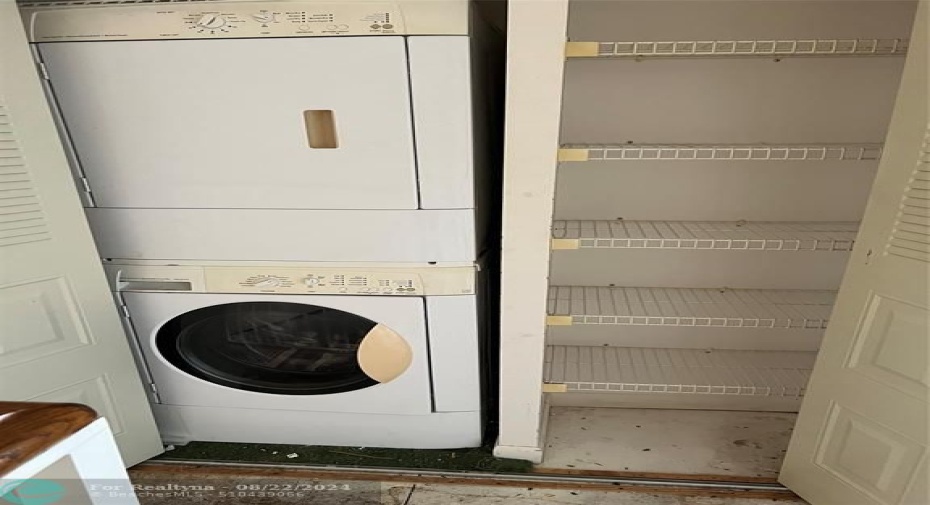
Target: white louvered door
{"points": [[60, 334], [862, 434]]}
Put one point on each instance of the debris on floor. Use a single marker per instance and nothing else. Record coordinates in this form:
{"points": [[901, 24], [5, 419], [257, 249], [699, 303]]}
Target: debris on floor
{"points": [[479, 459]]}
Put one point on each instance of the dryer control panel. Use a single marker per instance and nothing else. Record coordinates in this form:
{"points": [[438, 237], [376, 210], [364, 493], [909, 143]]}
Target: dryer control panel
{"points": [[62, 21], [217, 20]]}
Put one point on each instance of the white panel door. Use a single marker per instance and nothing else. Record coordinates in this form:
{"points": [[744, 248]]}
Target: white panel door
{"points": [[60, 335], [227, 123], [862, 434]]}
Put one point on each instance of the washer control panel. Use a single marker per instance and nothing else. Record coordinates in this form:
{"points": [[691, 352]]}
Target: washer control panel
{"points": [[217, 20], [339, 282], [301, 278]]}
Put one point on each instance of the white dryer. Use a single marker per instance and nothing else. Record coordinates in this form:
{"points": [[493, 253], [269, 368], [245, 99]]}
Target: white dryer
{"points": [[307, 354], [334, 130]]}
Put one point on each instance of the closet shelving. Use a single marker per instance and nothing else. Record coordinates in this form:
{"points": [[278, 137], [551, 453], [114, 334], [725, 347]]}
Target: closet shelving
{"points": [[630, 152], [688, 371], [737, 48], [667, 344], [706, 307], [714, 235], [685, 185]]}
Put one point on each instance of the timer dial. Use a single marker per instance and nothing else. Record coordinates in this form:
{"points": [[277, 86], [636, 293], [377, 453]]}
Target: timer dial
{"points": [[211, 21], [264, 17], [267, 282]]}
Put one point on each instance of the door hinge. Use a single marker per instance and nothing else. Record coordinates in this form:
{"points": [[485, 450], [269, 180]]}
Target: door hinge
{"points": [[154, 389], [43, 71], [124, 311], [85, 186]]}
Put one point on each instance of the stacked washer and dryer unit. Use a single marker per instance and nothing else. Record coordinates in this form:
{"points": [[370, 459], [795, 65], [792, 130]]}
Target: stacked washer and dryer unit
{"points": [[287, 197]]}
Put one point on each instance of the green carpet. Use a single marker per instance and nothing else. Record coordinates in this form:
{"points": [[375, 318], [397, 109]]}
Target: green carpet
{"points": [[479, 459]]}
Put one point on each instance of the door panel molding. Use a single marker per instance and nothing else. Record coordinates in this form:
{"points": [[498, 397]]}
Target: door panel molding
{"points": [[883, 471]]}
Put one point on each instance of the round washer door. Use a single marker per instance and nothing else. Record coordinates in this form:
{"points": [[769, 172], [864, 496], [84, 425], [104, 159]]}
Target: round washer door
{"points": [[283, 348]]}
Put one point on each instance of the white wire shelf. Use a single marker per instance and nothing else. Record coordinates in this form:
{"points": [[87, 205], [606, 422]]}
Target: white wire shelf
{"points": [[704, 235], [740, 48], [689, 371], [719, 308], [670, 152]]}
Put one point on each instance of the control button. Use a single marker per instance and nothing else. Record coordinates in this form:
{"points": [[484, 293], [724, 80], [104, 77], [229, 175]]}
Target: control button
{"points": [[303, 28], [343, 27], [331, 27], [343, 290], [267, 282], [387, 26], [375, 27], [264, 17], [311, 281], [211, 21]]}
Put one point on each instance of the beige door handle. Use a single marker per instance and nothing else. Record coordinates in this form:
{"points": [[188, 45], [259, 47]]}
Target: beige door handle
{"points": [[320, 125], [383, 354]]}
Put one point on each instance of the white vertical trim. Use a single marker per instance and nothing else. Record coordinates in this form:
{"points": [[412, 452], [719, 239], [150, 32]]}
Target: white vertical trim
{"points": [[535, 61]]}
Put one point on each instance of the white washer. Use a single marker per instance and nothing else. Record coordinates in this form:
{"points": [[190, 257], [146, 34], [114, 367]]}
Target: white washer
{"points": [[372, 355], [320, 130]]}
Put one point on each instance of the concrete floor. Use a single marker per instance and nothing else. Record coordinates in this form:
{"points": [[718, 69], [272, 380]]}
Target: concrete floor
{"points": [[430, 494], [373, 493], [745, 444], [735, 444]]}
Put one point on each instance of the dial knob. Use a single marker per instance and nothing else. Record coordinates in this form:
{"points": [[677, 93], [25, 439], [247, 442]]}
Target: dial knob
{"points": [[263, 17], [267, 282], [311, 281], [211, 21]]}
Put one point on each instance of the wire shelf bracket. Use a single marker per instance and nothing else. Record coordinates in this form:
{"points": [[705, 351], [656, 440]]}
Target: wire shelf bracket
{"points": [[643, 152], [738, 48]]}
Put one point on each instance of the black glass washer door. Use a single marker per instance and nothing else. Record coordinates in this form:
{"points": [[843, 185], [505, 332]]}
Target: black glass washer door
{"points": [[269, 347]]}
